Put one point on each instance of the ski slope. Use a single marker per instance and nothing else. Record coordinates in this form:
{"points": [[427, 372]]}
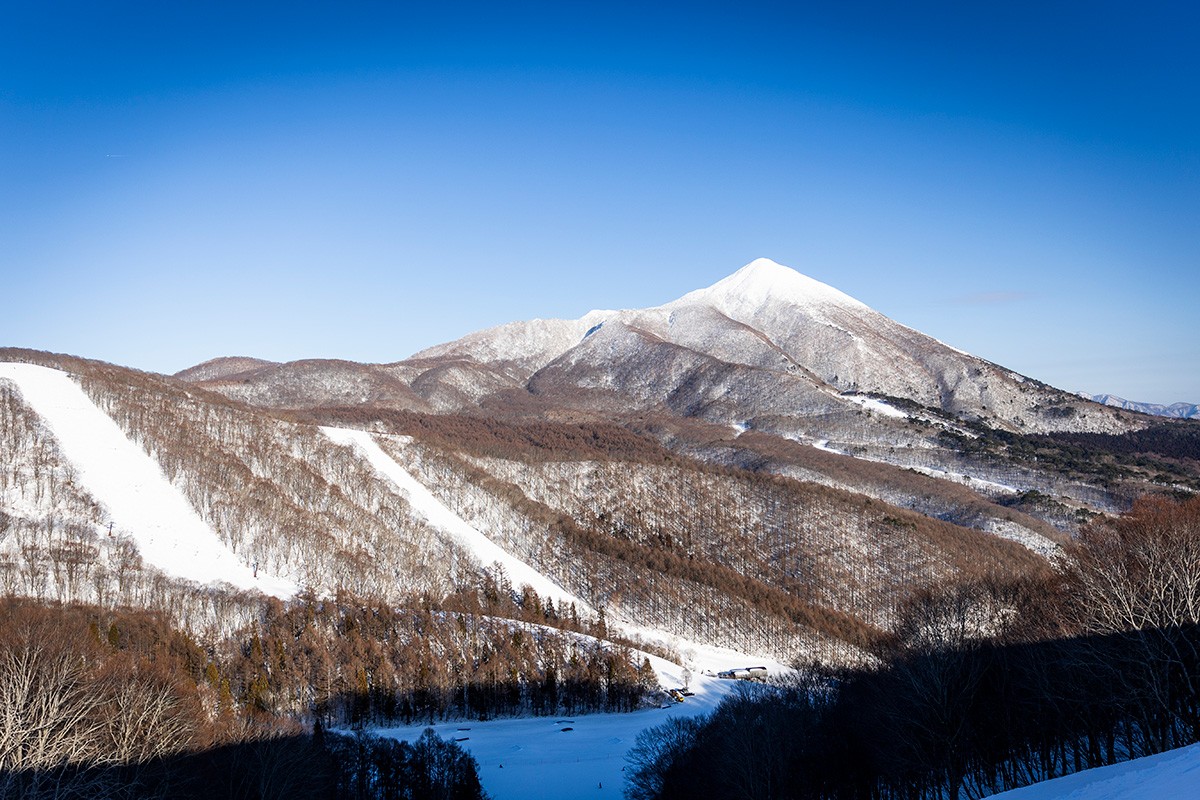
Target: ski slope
{"points": [[441, 517], [131, 486], [1166, 776], [700, 657]]}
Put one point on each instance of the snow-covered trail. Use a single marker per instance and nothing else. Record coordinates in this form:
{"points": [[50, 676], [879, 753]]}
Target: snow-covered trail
{"points": [[132, 487], [441, 517]]}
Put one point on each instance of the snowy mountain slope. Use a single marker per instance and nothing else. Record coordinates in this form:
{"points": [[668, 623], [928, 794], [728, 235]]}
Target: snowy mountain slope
{"points": [[141, 502], [521, 347], [766, 349], [628, 366], [324, 382], [283, 494], [1166, 776], [770, 317], [273, 491], [674, 546], [700, 656], [454, 383]]}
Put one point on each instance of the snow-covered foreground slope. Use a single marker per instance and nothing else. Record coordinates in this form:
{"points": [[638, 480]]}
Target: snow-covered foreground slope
{"points": [[563, 758], [139, 499], [1166, 776], [441, 517]]}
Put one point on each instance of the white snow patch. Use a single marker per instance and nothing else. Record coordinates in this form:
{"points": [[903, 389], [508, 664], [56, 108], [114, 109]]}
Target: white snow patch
{"points": [[876, 405], [441, 517], [133, 488], [966, 480], [1174, 774], [1024, 537]]}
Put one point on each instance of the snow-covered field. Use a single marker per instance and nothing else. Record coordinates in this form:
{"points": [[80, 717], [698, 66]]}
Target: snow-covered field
{"points": [[563, 758], [1174, 775], [132, 487]]}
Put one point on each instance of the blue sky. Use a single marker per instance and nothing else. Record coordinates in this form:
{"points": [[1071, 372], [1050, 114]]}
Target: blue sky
{"points": [[362, 180]]}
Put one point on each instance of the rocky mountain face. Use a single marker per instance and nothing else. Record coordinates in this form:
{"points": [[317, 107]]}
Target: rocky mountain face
{"points": [[766, 465]]}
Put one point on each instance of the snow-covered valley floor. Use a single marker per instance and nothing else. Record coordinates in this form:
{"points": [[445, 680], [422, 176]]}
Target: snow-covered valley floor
{"points": [[564, 758], [568, 758]]}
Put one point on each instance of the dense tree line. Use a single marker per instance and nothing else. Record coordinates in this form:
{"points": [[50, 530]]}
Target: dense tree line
{"points": [[1167, 452], [478, 655], [531, 440], [1171, 449], [984, 687]]}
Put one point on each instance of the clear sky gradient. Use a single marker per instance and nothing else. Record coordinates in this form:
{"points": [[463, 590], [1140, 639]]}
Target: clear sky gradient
{"points": [[362, 180]]}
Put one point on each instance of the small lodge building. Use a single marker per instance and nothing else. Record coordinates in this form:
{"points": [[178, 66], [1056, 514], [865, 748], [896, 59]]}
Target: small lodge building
{"points": [[744, 674]]}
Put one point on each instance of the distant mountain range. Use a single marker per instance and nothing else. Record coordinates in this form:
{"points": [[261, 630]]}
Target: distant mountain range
{"points": [[1180, 410]]}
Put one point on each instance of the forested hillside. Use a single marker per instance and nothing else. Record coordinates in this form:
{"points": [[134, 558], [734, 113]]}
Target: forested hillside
{"points": [[983, 687]]}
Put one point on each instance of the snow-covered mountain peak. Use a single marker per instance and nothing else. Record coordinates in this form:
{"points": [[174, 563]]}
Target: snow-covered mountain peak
{"points": [[763, 281]]}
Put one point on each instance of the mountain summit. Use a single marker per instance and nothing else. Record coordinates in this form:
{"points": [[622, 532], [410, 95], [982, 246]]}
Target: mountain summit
{"points": [[766, 347], [763, 281]]}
